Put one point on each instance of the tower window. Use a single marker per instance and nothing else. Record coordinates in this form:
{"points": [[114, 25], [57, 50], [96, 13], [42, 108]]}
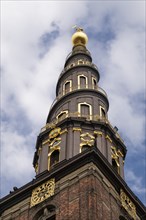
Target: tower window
{"points": [[47, 213], [62, 115], [85, 110], [94, 83], [54, 158], [80, 62], [115, 166], [102, 112], [72, 64], [67, 87], [82, 82]]}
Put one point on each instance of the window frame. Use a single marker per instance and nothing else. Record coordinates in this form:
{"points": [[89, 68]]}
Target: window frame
{"points": [[79, 81], [90, 109], [70, 86]]}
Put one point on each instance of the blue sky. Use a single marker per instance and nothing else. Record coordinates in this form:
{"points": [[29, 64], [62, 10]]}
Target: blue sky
{"points": [[35, 41]]}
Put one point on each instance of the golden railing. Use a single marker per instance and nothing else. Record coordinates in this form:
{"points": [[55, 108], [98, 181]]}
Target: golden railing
{"points": [[75, 115], [76, 52], [78, 115], [79, 63], [79, 87]]}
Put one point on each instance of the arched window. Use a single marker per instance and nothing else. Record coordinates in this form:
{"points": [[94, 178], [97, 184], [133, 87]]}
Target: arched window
{"points": [[115, 165], [94, 83], [62, 115], [115, 159], [80, 62], [71, 65], [102, 112], [54, 158], [85, 110], [46, 213], [67, 87], [82, 82]]}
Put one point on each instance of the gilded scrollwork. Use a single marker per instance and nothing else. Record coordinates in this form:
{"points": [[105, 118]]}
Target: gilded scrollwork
{"points": [[36, 167], [55, 142], [42, 192], [87, 139], [116, 154], [46, 141], [120, 153], [98, 133], [108, 138], [77, 129], [54, 133], [64, 131], [127, 204]]}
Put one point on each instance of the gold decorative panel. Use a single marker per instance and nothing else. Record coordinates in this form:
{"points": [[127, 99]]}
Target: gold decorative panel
{"points": [[64, 131], [36, 167], [77, 129], [98, 133], [87, 139], [55, 142], [54, 133], [42, 192], [107, 137], [128, 204]]}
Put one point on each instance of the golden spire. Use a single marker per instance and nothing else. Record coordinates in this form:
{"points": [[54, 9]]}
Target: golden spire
{"points": [[79, 37]]}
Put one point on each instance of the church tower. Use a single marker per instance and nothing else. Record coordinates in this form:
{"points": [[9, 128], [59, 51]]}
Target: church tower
{"points": [[79, 157], [78, 118]]}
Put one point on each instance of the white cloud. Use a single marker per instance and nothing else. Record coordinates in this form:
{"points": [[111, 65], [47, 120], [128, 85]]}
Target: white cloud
{"points": [[135, 182], [16, 159], [28, 80], [126, 61]]}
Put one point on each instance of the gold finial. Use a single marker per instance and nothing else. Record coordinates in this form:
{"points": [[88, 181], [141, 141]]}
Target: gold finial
{"points": [[79, 37]]}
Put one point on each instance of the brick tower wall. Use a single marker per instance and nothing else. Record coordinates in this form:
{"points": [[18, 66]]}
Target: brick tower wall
{"points": [[85, 194]]}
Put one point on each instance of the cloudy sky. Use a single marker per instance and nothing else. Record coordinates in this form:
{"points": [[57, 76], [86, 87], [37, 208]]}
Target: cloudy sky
{"points": [[35, 40]]}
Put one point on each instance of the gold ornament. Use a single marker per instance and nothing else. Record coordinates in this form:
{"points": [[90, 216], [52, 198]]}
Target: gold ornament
{"points": [[54, 133], [87, 139], [128, 204], [79, 37]]}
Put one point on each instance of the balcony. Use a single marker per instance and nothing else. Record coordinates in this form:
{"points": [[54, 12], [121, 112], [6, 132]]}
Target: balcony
{"points": [[79, 87], [73, 115], [79, 63], [76, 52], [96, 118]]}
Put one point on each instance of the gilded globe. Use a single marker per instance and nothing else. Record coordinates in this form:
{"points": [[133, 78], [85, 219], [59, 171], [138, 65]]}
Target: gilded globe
{"points": [[79, 38]]}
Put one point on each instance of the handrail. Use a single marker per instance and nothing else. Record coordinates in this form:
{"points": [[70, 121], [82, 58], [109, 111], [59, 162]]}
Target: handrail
{"points": [[74, 88], [98, 118], [76, 52], [75, 64], [75, 115]]}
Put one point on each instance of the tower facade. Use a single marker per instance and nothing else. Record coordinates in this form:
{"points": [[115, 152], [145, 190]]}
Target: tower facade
{"points": [[79, 157]]}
